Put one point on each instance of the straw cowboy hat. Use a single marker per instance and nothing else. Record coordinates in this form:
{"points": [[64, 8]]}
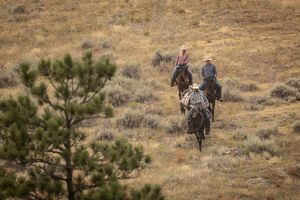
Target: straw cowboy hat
{"points": [[183, 47], [195, 86], [207, 58]]}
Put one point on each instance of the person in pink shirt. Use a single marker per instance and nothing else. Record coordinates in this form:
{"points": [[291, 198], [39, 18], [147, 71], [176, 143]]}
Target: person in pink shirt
{"points": [[182, 60]]}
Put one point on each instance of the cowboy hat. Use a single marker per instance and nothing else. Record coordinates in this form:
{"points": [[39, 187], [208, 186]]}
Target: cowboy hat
{"points": [[195, 86], [183, 47], [207, 58]]}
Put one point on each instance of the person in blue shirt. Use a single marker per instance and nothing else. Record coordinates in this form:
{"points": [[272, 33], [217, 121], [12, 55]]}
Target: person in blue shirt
{"points": [[209, 72]]}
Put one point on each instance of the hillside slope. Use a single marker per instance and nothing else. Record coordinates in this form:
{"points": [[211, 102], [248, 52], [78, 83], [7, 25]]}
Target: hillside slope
{"points": [[253, 40]]}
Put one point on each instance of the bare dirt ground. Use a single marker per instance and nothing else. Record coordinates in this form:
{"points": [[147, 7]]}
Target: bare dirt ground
{"points": [[254, 40]]}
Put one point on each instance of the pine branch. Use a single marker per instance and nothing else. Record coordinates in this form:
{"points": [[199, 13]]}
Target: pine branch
{"points": [[97, 92]]}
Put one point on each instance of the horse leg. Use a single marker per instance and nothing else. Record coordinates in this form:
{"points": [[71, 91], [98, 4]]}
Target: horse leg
{"points": [[182, 109], [213, 110], [199, 140]]}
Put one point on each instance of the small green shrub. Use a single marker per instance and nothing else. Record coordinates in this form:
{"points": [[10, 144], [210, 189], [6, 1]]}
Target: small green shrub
{"points": [[283, 91], [131, 71], [296, 126]]}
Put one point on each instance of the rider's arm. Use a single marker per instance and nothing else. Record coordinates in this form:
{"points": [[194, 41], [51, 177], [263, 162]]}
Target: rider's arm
{"points": [[215, 70], [176, 62]]}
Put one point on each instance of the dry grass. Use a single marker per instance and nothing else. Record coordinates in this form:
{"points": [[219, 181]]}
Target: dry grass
{"points": [[255, 41]]}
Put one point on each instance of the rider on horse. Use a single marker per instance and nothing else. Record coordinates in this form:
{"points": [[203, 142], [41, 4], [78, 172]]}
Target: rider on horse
{"points": [[209, 72], [181, 63], [198, 101]]}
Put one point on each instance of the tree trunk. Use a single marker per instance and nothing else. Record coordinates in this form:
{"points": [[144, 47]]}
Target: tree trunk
{"points": [[70, 180]]}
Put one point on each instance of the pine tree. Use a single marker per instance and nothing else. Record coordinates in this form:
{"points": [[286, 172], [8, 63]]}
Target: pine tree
{"points": [[43, 153]]}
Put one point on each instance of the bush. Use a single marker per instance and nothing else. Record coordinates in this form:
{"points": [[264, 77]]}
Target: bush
{"points": [[267, 133], [157, 85], [144, 95], [106, 134], [131, 119], [221, 162], [136, 118], [256, 145], [295, 83], [283, 91], [151, 121], [8, 78], [117, 95], [232, 83], [175, 125], [126, 83], [131, 71], [296, 127], [248, 87], [239, 136], [232, 95], [237, 84]]}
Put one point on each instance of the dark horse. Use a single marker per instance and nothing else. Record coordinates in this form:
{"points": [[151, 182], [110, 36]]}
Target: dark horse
{"points": [[211, 94], [197, 124], [182, 81]]}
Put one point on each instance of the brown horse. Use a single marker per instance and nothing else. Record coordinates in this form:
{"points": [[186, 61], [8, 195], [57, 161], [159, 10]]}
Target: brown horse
{"points": [[211, 93], [182, 81]]}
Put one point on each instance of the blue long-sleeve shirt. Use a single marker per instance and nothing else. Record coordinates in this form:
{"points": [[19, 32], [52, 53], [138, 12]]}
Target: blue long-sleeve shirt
{"points": [[208, 71]]}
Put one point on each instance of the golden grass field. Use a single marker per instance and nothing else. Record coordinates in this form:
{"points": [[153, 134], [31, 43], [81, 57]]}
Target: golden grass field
{"points": [[253, 40]]}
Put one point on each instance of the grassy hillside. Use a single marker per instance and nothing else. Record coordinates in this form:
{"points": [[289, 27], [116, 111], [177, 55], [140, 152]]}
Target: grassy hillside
{"points": [[253, 152]]}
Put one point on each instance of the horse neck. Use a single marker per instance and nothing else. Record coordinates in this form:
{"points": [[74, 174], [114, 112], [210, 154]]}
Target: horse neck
{"points": [[182, 77], [210, 89]]}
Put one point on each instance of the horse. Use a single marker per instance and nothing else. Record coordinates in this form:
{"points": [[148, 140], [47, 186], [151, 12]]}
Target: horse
{"points": [[182, 81], [197, 123], [211, 94]]}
